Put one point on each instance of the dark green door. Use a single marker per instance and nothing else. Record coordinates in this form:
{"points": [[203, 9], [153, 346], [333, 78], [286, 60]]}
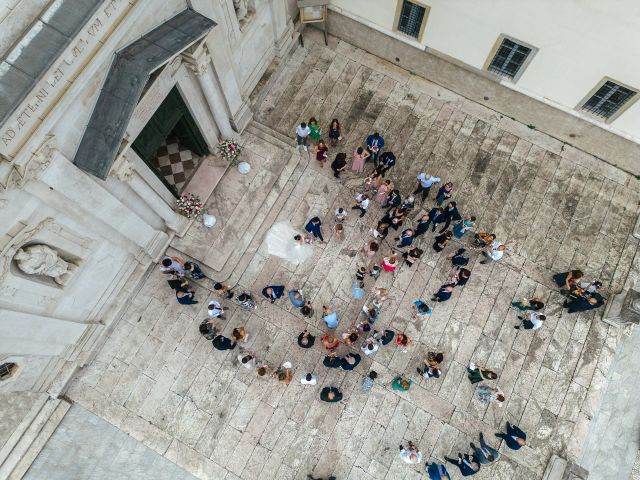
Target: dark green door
{"points": [[189, 135], [171, 116]]}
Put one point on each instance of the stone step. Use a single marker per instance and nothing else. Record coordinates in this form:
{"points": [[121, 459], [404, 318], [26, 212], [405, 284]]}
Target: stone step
{"points": [[277, 213], [30, 438], [229, 244], [265, 132]]}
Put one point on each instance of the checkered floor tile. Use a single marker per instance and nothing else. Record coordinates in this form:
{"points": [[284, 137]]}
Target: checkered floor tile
{"points": [[175, 162]]}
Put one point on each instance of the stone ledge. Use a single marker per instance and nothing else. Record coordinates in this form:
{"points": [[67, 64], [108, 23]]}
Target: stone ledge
{"points": [[561, 469]]}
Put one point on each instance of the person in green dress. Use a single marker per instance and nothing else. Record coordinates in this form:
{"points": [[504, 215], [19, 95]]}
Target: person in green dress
{"points": [[316, 131], [476, 373], [534, 304], [401, 384]]}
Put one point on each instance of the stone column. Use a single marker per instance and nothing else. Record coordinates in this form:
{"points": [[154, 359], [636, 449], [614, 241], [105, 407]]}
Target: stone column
{"points": [[125, 172], [198, 60]]}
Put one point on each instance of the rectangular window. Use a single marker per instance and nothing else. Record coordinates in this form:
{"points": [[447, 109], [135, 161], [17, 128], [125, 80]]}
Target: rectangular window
{"points": [[509, 58], [608, 99], [411, 18]]}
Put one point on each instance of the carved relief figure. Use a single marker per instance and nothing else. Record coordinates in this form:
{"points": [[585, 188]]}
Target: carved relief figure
{"points": [[44, 260]]}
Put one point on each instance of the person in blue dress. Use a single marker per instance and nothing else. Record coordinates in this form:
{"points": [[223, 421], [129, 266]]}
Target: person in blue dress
{"points": [[463, 226], [329, 317]]}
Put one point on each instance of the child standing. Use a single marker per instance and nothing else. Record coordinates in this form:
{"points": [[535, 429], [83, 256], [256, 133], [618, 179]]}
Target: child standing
{"points": [[375, 272]]}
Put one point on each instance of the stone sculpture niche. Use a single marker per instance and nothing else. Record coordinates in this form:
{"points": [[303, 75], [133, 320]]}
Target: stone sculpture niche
{"points": [[45, 261]]}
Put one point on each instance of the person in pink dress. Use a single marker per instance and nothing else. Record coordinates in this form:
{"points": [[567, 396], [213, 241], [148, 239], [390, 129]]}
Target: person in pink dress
{"points": [[383, 191], [370, 249], [359, 157], [373, 181]]}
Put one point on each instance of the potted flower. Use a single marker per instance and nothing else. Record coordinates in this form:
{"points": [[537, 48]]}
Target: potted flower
{"points": [[189, 205], [230, 151]]}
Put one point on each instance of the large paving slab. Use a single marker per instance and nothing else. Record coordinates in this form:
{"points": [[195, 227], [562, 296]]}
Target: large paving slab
{"points": [[86, 446], [157, 379]]}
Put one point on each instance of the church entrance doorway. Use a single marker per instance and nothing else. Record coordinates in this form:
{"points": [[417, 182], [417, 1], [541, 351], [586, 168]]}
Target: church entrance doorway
{"points": [[171, 143]]}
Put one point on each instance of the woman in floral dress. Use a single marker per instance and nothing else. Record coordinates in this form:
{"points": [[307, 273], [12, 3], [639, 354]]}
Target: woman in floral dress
{"points": [[383, 191]]}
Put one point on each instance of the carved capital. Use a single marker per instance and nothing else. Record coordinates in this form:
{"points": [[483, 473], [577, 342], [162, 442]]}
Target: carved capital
{"points": [[197, 58], [123, 169]]}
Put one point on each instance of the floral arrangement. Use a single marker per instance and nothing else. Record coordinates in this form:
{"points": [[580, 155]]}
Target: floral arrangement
{"points": [[189, 205], [229, 150]]}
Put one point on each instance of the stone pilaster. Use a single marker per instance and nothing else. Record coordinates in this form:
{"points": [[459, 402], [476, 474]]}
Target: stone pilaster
{"points": [[125, 172], [282, 27], [198, 61]]}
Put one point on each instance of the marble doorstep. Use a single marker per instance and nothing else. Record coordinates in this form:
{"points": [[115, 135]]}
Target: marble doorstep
{"points": [[209, 173], [235, 227]]}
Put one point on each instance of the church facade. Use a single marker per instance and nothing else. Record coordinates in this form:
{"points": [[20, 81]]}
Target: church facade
{"points": [[108, 111]]}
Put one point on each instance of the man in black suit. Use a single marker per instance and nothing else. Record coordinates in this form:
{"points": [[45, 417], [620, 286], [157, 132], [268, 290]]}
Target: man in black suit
{"points": [[221, 342], [451, 214], [330, 394]]}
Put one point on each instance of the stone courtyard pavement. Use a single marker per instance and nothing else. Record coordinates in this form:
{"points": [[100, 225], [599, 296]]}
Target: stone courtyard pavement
{"points": [[556, 208]]}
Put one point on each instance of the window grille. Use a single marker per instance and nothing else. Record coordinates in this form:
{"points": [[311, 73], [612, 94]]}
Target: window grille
{"points": [[608, 99], [411, 17], [509, 58]]}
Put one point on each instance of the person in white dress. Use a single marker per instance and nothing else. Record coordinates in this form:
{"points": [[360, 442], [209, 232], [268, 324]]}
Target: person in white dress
{"points": [[284, 241]]}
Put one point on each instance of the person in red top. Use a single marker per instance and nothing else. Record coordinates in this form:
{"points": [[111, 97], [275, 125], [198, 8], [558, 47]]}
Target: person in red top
{"points": [[403, 341], [321, 152]]}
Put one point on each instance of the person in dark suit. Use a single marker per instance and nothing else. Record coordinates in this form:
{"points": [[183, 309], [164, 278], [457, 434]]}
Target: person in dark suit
{"points": [[406, 238], [451, 215], [514, 438], [185, 296], [468, 464], [331, 361], [393, 199], [350, 361], [435, 216], [177, 281], [221, 342], [375, 142], [273, 292], [462, 276], [330, 394], [443, 294], [313, 227], [306, 340], [386, 337], [339, 164], [437, 471], [386, 161]]}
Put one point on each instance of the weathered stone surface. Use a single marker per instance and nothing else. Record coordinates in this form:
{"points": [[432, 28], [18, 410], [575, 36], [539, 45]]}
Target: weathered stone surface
{"points": [[159, 381]]}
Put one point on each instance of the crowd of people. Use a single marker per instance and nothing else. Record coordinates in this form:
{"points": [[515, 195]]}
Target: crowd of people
{"points": [[402, 250]]}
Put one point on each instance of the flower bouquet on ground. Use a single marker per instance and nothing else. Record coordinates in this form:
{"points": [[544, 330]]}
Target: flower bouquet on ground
{"points": [[189, 205], [229, 150]]}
